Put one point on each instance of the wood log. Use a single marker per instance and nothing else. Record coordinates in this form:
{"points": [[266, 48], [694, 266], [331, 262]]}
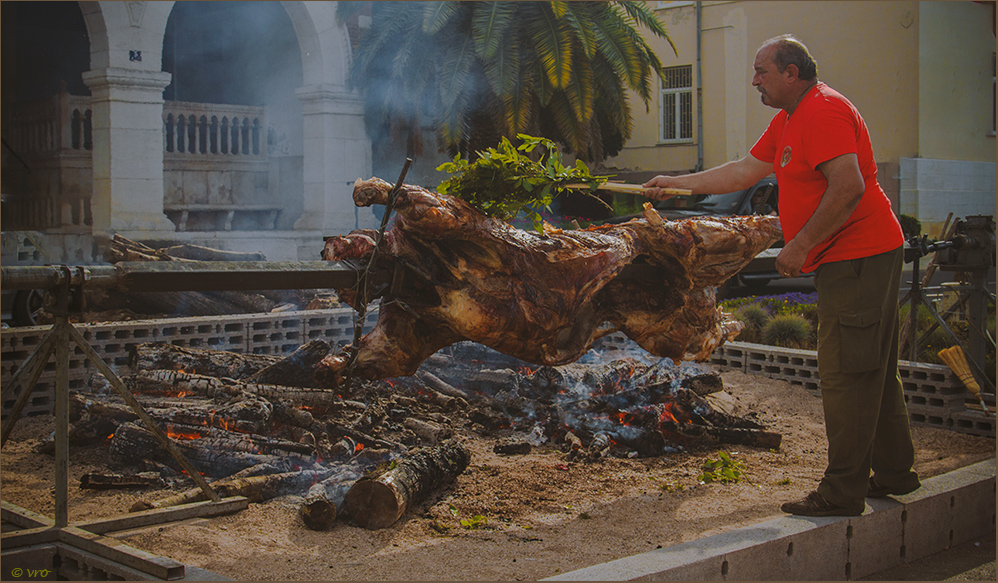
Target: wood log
{"points": [[295, 370], [434, 381], [169, 381], [94, 481], [133, 444], [430, 433], [85, 432], [199, 253], [337, 432], [256, 488], [379, 502], [704, 384], [214, 363], [325, 500], [374, 414]]}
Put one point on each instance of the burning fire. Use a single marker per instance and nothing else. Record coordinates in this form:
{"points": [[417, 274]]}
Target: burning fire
{"points": [[180, 435]]}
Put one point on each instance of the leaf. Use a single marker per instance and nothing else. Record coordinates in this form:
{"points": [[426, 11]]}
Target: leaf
{"points": [[436, 15], [489, 26]]}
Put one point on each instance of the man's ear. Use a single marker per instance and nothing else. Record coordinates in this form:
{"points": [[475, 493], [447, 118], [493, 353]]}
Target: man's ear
{"points": [[792, 72]]}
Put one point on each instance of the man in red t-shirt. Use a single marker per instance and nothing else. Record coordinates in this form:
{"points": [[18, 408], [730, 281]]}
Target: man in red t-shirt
{"points": [[838, 223]]}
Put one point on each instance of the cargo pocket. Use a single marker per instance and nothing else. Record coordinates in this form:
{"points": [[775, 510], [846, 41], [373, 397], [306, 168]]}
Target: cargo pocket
{"points": [[860, 341]]}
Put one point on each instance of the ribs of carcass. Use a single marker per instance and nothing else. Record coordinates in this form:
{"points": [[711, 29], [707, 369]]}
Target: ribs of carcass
{"points": [[541, 297]]}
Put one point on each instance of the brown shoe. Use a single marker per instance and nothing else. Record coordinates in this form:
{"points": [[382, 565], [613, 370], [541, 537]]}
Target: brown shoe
{"points": [[877, 491], [814, 504]]}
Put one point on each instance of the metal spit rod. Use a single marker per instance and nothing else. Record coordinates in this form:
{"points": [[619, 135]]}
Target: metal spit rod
{"points": [[152, 276]]}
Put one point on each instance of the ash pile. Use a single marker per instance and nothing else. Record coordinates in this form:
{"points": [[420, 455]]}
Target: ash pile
{"points": [[258, 426]]}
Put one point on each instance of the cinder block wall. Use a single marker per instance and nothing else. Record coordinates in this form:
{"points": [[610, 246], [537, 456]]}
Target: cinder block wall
{"points": [[931, 189], [273, 334]]}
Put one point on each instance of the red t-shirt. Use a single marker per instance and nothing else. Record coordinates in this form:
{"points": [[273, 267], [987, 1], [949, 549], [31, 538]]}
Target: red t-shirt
{"points": [[824, 126]]}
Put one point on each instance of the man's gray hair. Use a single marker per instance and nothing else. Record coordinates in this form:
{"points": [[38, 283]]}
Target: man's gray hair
{"points": [[791, 51]]}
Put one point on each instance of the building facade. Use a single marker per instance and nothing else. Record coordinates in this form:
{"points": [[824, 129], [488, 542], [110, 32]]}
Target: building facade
{"points": [[226, 124], [921, 73]]}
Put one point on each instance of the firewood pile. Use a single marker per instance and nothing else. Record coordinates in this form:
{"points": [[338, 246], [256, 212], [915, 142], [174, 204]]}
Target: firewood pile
{"points": [[258, 426]]}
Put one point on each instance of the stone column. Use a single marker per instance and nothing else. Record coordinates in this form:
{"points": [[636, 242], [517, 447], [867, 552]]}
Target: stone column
{"points": [[336, 152], [127, 110]]}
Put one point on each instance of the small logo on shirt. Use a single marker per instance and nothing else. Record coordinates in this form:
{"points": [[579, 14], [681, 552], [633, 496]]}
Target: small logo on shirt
{"points": [[786, 157]]}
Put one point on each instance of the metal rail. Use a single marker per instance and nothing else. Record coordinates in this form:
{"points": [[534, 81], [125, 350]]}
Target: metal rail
{"points": [[150, 276]]}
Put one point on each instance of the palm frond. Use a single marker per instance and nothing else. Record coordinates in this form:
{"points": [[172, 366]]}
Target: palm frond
{"points": [[453, 80], [644, 16], [559, 8], [520, 102], [436, 15], [579, 90], [578, 17], [503, 69], [490, 23], [574, 133], [616, 45], [552, 42]]}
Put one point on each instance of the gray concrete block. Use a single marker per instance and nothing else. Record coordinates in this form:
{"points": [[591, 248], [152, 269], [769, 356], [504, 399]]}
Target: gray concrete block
{"points": [[927, 520], [875, 538], [794, 548], [973, 511], [679, 562]]}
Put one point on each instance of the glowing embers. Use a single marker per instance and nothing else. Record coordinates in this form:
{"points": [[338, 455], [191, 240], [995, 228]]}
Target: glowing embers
{"points": [[625, 407]]}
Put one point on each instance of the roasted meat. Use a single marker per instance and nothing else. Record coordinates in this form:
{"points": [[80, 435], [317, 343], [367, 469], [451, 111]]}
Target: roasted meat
{"points": [[543, 298]]}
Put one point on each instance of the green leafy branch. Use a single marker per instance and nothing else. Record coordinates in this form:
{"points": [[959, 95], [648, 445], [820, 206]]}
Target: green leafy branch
{"points": [[503, 182], [724, 469]]}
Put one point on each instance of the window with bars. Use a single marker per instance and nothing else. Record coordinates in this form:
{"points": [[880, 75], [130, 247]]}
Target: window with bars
{"points": [[676, 114]]}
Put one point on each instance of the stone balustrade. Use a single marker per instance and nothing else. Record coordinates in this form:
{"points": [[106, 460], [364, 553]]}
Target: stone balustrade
{"points": [[212, 129], [215, 165]]}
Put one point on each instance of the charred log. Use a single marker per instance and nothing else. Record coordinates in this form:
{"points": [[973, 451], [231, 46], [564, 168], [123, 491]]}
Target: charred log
{"points": [[379, 502], [94, 481], [295, 370], [212, 363], [429, 433], [256, 488], [325, 500]]}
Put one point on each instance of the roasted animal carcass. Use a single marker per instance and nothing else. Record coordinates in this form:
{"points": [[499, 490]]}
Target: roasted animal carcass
{"points": [[542, 298]]}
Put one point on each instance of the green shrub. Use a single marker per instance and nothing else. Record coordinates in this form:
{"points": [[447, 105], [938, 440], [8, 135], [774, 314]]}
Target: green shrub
{"points": [[789, 331], [755, 319]]}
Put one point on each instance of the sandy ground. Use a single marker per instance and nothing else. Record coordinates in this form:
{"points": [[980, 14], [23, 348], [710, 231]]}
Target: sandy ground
{"points": [[545, 515]]}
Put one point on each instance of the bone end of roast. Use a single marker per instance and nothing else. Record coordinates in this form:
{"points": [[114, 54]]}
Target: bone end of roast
{"points": [[371, 191], [329, 372], [651, 215]]}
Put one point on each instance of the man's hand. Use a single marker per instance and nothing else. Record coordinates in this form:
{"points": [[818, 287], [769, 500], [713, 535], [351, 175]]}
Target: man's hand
{"points": [[655, 186], [791, 259], [729, 177]]}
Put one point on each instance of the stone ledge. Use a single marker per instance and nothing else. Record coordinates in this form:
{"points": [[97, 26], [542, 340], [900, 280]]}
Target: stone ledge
{"points": [[947, 510]]}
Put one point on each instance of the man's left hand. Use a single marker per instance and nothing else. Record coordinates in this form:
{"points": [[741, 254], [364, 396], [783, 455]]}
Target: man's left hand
{"points": [[790, 260]]}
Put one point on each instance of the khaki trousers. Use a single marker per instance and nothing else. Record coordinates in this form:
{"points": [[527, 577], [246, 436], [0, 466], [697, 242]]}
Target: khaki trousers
{"points": [[866, 420]]}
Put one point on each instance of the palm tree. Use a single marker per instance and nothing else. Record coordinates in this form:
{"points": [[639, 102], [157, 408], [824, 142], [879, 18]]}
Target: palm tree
{"points": [[477, 71]]}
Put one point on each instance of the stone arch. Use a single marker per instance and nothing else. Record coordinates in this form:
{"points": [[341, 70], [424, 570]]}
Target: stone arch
{"points": [[326, 56], [136, 25]]}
